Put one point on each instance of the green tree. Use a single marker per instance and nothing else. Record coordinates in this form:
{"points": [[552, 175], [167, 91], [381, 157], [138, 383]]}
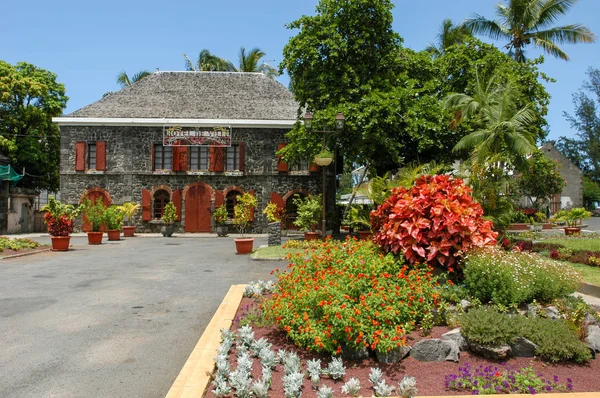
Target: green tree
{"points": [[207, 61], [448, 35], [591, 193], [584, 151], [123, 79], [29, 98], [541, 180], [525, 22]]}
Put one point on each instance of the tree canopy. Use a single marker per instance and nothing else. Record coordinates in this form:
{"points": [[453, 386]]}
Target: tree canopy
{"points": [[29, 98]]}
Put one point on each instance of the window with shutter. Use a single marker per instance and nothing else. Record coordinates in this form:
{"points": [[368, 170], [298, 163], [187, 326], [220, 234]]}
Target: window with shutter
{"points": [[101, 155], [198, 158], [80, 159], [163, 157], [233, 158]]}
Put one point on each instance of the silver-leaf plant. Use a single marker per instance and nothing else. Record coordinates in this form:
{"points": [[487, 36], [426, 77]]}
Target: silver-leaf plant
{"points": [[407, 387], [314, 371], [292, 385], [352, 387], [375, 376], [325, 392], [383, 390], [222, 389], [260, 389], [336, 369]]}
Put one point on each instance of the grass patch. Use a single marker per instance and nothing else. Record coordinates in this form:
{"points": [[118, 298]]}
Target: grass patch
{"points": [[590, 275], [576, 244], [273, 252]]}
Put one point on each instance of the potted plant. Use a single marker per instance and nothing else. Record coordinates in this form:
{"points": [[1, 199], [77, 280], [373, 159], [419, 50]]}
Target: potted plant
{"points": [[221, 216], [242, 217], [60, 220], [95, 215], [113, 219], [274, 213], [309, 213], [323, 158], [358, 219], [536, 222], [573, 219], [169, 217], [129, 210]]}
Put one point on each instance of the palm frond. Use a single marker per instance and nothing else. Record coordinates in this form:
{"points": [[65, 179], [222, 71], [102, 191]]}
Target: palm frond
{"points": [[570, 34], [140, 75], [552, 10], [482, 26], [123, 79], [189, 65]]}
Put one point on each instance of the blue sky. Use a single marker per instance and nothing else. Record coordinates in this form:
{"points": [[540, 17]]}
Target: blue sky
{"points": [[88, 43]]}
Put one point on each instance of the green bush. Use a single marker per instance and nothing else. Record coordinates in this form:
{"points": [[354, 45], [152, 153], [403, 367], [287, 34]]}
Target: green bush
{"points": [[556, 341], [514, 278], [16, 243]]}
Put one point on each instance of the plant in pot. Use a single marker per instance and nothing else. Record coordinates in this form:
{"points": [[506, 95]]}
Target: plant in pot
{"points": [[129, 210], [358, 219], [536, 222], [169, 217], [573, 218], [274, 213], [221, 216], [60, 220], [323, 158], [309, 214], [242, 217], [113, 220], [95, 214]]}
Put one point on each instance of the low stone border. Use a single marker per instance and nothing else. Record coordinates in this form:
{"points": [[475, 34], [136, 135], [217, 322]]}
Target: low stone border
{"points": [[591, 290], [45, 249], [195, 376]]}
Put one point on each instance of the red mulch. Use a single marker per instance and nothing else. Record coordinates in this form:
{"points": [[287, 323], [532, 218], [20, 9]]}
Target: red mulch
{"points": [[8, 252], [429, 375]]}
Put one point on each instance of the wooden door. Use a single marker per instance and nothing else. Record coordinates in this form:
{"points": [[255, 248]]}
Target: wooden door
{"points": [[197, 209]]}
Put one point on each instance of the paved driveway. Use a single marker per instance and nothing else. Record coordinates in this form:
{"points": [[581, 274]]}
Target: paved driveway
{"points": [[116, 320]]}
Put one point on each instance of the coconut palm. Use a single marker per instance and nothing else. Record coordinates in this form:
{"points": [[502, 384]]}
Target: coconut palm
{"points": [[207, 61], [524, 22], [500, 128], [250, 62], [123, 80], [448, 35]]}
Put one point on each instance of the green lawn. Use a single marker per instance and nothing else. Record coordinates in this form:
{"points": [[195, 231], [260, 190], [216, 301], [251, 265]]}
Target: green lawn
{"points": [[590, 275], [591, 244], [273, 252]]}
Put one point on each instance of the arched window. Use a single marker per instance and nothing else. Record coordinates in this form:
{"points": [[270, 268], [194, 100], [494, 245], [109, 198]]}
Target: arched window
{"points": [[161, 198], [231, 201]]}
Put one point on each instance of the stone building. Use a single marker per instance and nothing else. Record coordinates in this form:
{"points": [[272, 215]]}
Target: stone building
{"points": [[118, 147], [572, 193]]}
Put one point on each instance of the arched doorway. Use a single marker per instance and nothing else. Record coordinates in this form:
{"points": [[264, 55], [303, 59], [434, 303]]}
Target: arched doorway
{"points": [[93, 195], [291, 210], [198, 199]]}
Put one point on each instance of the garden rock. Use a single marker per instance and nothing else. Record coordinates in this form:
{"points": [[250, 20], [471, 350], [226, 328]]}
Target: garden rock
{"points": [[435, 350], [491, 352], [590, 319], [457, 337], [393, 356], [523, 348], [532, 310], [355, 354], [593, 338], [465, 304], [551, 312]]}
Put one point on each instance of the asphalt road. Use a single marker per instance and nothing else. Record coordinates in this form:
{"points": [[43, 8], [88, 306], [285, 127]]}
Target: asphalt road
{"points": [[116, 320]]}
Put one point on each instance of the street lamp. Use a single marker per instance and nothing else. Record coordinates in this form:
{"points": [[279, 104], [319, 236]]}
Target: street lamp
{"points": [[324, 161]]}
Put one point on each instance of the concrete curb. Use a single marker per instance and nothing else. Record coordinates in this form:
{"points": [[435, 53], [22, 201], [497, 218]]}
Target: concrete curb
{"points": [[590, 290], [46, 249], [196, 374]]}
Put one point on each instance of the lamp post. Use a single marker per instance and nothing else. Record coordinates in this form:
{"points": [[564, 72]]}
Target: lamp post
{"points": [[324, 161]]}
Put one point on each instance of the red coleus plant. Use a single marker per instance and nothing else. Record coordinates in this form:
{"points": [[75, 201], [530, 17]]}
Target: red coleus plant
{"points": [[61, 226], [435, 221]]}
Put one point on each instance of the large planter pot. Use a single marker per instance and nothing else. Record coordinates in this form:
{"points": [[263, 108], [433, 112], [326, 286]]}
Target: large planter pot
{"points": [[222, 230], [244, 245], [114, 234], [536, 227], [517, 227], [548, 225], [572, 231], [364, 235], [95, 238], [129, 230], [311, 235], [167, 230], [60, 243]]}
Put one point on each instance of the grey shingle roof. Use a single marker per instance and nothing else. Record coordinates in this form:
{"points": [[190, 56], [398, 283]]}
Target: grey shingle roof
{"points": [[198, 95]]}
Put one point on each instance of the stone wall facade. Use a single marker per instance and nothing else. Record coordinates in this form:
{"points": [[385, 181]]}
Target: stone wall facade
{"points": [[572, 193], [129, 169]]}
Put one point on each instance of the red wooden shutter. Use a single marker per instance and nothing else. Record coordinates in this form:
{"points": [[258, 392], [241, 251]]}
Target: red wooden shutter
{"points": [[313, 168], [152, 154], [251, 192], [175, 160], [176, 199], [100, 155], [146, 205], [219, 198], [211, 158], [242, 156], [80, 156], [278, 200], [183, 158], [281, 165], [218, 158]]}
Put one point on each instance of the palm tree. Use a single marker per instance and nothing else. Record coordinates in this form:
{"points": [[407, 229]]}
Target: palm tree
{"points": [[208, 62], [250, 62], [524, 22], [500, 128], [448, 35], [123, 80]]}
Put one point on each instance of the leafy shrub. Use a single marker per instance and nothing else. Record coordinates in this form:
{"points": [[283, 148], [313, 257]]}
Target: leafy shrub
{"points": [[16, 243], [309, 210], [486, 325], [435, 221], [348, 293], [513, 278]]}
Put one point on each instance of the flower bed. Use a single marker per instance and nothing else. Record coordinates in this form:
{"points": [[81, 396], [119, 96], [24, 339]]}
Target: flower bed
{"points": [[10, 246]]}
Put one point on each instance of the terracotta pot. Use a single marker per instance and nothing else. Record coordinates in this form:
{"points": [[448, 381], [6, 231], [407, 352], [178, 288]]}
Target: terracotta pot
{"points": [[129, 230], [244, 245], [572, 230], [114, 234], [364, 235], [60, 243], [94, 238], [517, 227], [311, 235]]}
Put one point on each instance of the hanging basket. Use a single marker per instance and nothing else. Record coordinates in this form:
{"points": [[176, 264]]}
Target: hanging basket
{"points": [[323, 161]]}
